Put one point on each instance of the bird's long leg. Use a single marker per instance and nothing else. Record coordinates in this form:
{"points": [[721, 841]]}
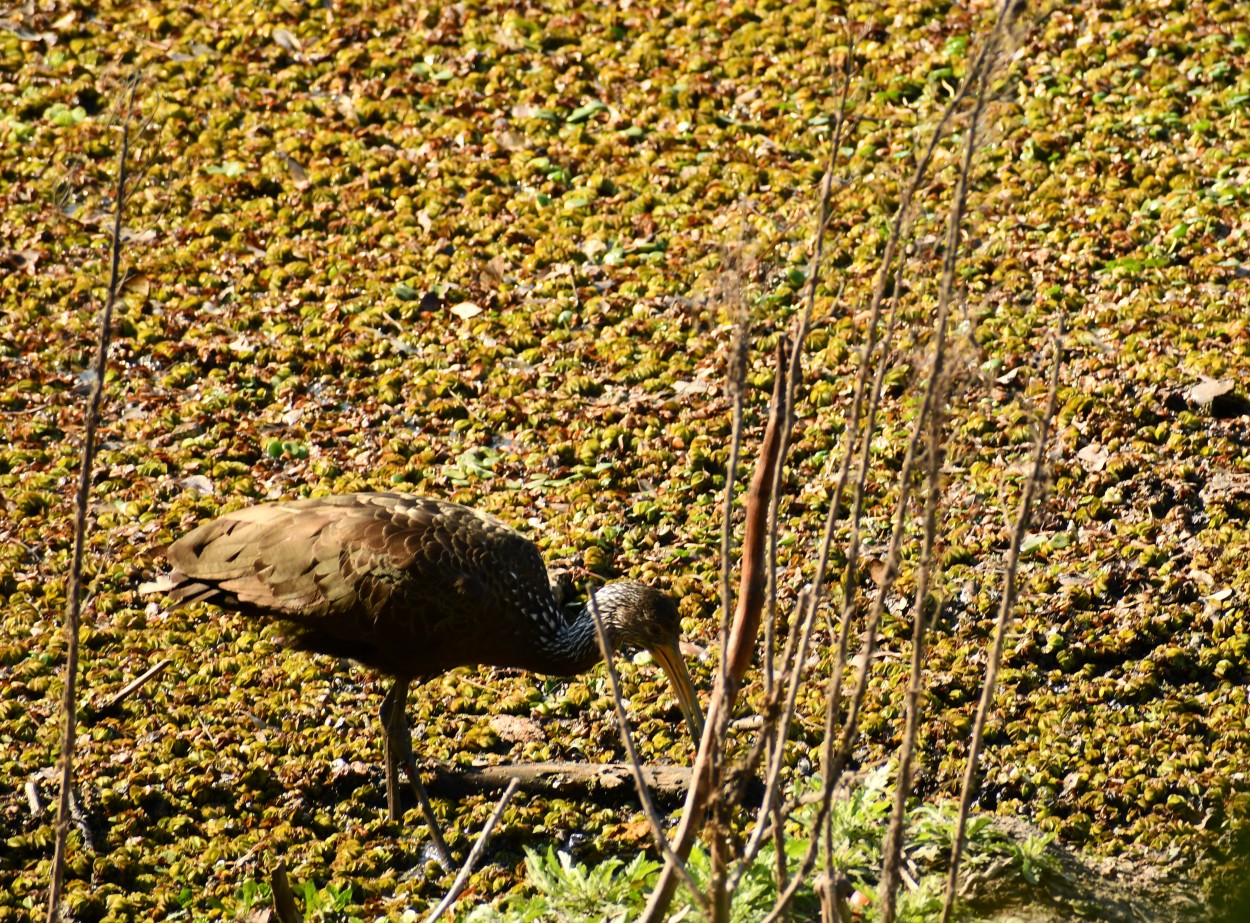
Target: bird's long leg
{"points": [[399, 749], [394, 706]]}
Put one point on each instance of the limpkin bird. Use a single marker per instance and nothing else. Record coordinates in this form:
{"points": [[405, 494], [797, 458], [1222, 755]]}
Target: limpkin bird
{"points": [[412, 587]]}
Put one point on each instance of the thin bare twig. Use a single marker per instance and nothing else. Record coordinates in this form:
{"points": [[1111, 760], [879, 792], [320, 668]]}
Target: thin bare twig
{"points": [[897, 234], [136, 684], [776, 731], [892, 850], [635, 765], [1032, 487], [74, 590], [938, 385], [868, 649], [712, 745], [427, 811], [475, 853], [824, 214], [799, 338]]}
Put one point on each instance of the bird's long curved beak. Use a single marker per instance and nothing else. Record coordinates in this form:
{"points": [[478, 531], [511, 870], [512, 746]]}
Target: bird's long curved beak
{"points": [[668, 655]]}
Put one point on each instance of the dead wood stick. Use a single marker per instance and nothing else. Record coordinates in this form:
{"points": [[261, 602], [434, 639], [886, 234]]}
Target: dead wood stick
{"points": [[283, 900], [611, 783], [753, 583], [135, 685]]}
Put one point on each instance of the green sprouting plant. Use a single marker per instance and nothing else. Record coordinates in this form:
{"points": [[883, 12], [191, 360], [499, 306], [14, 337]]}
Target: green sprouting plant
{"points": [[565, 890], [253, 895], [1032, 858], [329, 904], [858, 825], [326, 905], [757, 891]]}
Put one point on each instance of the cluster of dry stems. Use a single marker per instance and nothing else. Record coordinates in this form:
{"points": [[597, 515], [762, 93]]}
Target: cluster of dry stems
{"points": [[919, 485]]}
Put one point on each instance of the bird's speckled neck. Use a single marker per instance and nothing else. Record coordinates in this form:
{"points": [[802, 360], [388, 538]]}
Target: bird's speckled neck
{"points": [[576, 642]]}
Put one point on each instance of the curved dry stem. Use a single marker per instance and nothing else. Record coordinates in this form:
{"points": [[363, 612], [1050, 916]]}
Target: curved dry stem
{"points": [[635, 765], [1032, 488], [462, 878], [938, 384], [74, 590], [735, 658]]}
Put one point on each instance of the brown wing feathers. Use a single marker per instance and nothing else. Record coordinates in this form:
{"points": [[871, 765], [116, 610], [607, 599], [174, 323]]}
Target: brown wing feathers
{"points": [[407, 584], [247, 559], [281, 559]]}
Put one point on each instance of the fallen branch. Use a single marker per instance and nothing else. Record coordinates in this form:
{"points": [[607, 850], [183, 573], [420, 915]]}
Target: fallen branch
{"points": [[605, 783], [135, 685]]}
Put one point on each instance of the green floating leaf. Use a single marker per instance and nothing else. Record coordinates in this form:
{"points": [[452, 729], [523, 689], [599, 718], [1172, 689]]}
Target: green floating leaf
{"points": [[63, 116], [230, 169], [582, 113], [21, 131], [1033, 543], [956, 46]]}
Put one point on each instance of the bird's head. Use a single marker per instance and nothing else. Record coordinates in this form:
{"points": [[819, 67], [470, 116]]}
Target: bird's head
{"points": [[635, 615]]}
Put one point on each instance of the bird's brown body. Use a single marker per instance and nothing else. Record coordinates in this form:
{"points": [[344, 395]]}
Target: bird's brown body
{"points": [[407, 585], [413, 586]]}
